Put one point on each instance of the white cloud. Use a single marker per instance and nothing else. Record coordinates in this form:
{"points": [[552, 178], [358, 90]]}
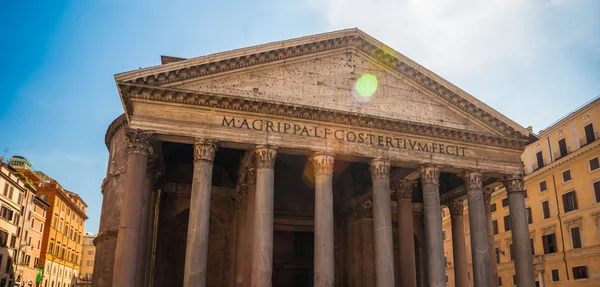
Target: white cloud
{"points": [[507, 53]]}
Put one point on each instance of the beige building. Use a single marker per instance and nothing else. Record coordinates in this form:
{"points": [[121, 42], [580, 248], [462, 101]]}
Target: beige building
{"points": [[86, 269], [562, 184], [317, 161]]}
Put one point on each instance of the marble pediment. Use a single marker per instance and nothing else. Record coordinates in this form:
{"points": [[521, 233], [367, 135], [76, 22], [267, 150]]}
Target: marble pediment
{"points": [[322, 71]]}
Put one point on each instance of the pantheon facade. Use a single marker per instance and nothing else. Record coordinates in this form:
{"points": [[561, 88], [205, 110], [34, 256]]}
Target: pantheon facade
{"points": [[317, 161]]}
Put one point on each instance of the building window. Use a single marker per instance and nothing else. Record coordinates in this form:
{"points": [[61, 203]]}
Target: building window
{"points": [[35, 262], [32, 223], [497, 255], [3, 238], [512, 252], [42, 227], [90, 263], [580, 272], [499, 281], [576, 237], [569, 201], [525, 195], [562, 148], [540, 160], [543, 186], [528, 214], [555, 277], [91, 252], [5, 189], [6, 213], [597, 190], [493, 207], [566, 175], [13, 241], [549, 242], [505, 202], [8, 264], [443, 234], [594, 164], [532, 246], [495, 226], [546, 209], [515, 280], [507, 223], [51, 248]]}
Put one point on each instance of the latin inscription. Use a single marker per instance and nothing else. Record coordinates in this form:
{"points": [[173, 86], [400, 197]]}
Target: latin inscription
{"points": [[342, 135]]}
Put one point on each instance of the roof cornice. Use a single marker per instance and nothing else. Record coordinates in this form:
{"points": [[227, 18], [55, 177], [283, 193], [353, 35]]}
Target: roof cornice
{"points": [[563, 160], [186, 70], [297, 111]]}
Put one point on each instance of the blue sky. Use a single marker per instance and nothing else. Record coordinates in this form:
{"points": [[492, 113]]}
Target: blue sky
{"points": [[533, 61]]}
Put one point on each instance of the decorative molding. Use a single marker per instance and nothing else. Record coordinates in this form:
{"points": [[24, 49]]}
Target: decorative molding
{"points": [[355, 41], [204, 150], [380, 169], [138, 141], [456, 207], [596, 216], [297, 111], [265, 156], [582, 151], [548, 230], [572, 223], [323, 163], [111, 175], [514, 184], [363, 210], [472, 180], [251, 176], [403, 188], [430, 174]]}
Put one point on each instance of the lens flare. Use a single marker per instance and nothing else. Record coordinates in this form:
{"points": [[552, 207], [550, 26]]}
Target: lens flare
{"points": [[366, 85]]}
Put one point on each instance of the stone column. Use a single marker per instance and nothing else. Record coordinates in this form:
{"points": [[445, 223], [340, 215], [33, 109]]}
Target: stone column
{"points": [[541, 279], [241, 211], [126, 254], [262, 242], [487, 196], [459, 248], [406, 241], [146, 223], [196, 253], [480, 245], [382, 222], [248, 238], [420, 251], [323, 261], [432, 216], [520, 231]]}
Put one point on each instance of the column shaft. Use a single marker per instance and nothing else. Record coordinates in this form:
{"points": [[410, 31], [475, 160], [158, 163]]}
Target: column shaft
{"points": [[520, 232], [249, 237], [488, 218], [262, 244], [480, 244], [406, 240], [126, 254], [382, 222], [459, 248], [196, 253], [144, 242], [434, 248], [323, 261]]}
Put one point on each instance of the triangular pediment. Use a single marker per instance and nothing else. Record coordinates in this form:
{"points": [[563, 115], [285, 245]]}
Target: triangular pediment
{"points": [[322, 71]]}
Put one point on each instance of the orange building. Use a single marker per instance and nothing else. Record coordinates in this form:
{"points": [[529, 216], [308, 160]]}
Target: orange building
{"points": [[62, 240]]}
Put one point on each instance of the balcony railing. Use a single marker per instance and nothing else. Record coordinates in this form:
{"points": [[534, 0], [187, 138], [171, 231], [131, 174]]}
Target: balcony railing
{"points": [[535, 166], [558, 154], [584, 140], [538, 259]]}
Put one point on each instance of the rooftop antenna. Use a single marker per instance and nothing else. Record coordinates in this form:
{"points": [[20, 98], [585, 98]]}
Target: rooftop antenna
{"points": [[4, 155]]}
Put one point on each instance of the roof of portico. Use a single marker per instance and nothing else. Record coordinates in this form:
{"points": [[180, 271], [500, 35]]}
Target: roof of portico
{"points": [[162, 80]]}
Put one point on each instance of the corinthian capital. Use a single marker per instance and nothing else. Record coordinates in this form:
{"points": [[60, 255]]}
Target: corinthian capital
{"points": [[204, 150], [430, 174], [514, 183], [380, 169], [323, 163], [138, 141], [265, 156], [487, 196], [456, 207], [472, 179], [404, 188]]}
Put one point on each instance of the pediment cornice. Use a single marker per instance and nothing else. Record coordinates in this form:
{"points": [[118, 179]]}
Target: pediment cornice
{"points": [[131, 92], [352, 39]]}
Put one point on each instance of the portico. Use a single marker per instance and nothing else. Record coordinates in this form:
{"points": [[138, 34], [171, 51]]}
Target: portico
{"points": [[269, 169]]}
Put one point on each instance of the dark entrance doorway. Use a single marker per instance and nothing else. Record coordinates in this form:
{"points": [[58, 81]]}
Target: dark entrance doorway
{"points": [[293, 254]]}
